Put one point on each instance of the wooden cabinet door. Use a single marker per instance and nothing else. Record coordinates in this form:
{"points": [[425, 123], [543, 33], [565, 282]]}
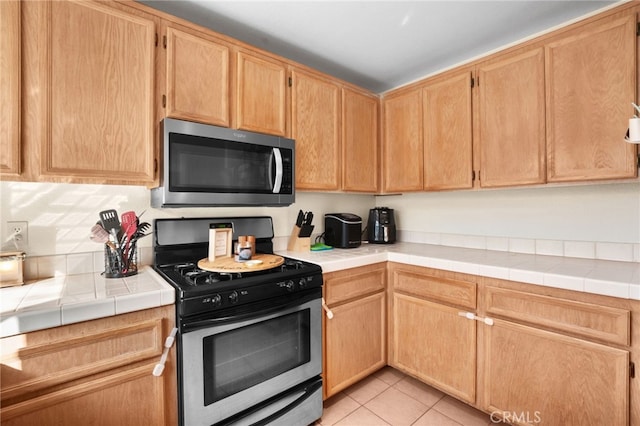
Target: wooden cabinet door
{"points": [[355, 342], [511, 124], [315, 126], [91, 373], [10, 88], [591, 82], [132, 397], [402, 142], [448, 134], [261, 94], [197, 78], [536, 376], [435, 344], [360, 149], [91, 80]]}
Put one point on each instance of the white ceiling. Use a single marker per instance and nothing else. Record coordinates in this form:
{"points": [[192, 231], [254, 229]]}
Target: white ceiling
{"points": [[379, 45]]}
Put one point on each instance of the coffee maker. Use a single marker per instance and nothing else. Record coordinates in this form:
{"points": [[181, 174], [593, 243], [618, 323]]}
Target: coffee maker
{"points": [[381, 226]]}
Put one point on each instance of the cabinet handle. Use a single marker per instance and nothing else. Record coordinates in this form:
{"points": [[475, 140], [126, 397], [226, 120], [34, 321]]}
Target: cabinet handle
{"points": [[472, 316], [159, 368], [326, 309]]}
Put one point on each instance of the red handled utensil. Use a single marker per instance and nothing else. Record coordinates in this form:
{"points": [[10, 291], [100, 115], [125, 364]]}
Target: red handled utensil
{"points": [[129, 223]]}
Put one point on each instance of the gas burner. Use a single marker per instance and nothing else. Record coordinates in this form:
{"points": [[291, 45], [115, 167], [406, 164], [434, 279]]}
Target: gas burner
{"points": [[184, 268], [198, 277], [216, 277], [292, 264]]}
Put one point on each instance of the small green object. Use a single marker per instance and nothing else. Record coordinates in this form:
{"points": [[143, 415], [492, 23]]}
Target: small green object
{"points": [[320, 246]]}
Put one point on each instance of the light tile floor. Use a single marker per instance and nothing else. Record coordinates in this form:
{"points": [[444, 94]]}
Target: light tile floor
{"points": [[389, 397]]}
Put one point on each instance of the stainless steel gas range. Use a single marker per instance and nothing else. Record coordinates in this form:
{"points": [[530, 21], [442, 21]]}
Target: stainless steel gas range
{"points": [[249, 343]]}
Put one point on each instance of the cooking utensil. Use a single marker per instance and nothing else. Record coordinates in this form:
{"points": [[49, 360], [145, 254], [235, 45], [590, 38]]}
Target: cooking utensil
{"points": [[133, 241], [99, 235], [129, 223], [300, 219], [110, 222], [140, 231]]}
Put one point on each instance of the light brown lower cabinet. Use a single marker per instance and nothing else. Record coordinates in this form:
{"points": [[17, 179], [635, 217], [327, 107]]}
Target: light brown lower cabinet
{"points": [[91, 373], [554, 360], [355, 336], [429, 339], [536, 376], [524, 354], [433, 343]]}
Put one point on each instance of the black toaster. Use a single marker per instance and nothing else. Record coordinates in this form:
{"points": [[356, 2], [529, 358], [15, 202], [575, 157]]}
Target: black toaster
{"points": [[342, 230]]}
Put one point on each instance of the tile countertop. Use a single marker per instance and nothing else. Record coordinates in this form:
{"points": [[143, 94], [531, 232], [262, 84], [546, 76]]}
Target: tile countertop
{"points": [[74, 298], [69, 299], [605, 277]]}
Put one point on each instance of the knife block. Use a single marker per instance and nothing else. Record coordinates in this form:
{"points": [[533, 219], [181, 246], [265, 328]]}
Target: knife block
{"points": [[297, 243]]}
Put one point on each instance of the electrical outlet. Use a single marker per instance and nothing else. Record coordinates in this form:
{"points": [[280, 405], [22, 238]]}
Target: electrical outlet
{"points": [[20, 232]]}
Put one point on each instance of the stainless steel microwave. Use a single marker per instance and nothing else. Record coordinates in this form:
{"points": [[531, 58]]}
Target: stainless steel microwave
{"points": [[206, 165]]}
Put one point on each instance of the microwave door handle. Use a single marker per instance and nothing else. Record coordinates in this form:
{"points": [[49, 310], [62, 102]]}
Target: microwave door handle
{"points": [[276, 158]]}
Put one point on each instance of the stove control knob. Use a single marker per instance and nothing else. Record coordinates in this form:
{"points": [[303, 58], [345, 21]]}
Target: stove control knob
{"points": [[302, 283], [233, 297], [289, 285], [216, 300]]}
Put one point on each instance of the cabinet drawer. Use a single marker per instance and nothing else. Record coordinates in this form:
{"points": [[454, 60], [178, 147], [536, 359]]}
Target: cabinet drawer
{"points": [[46, 358], [448, 287], [351, 283], [582, 319]]}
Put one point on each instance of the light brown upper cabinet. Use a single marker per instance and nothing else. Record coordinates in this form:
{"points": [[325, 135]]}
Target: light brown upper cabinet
{"points": [[402, 142], [591, 82], [197, 77], [447, 121], [360, 151], [511, 125], [89, 88], [315, 126], [261, 94], [10, 88]]}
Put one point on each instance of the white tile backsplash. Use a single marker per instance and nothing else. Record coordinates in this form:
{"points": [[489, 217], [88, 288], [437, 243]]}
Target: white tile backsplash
{"points": [[81, 263], [52, 266], [522, 245], [550, 247], [623, 252], [497, 243], [583, 249], [614, 251]]}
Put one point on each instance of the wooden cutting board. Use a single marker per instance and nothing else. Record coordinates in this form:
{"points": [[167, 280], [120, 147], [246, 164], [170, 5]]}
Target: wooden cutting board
{"points": [[228, 264]]}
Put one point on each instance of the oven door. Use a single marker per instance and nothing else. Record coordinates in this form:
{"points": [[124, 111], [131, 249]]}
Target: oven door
{"points": [[234, 362]]}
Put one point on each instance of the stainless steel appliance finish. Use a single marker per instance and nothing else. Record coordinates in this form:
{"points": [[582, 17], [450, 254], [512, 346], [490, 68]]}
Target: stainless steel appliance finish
{"points": [[249, 344], [206, 165], [381, 226]]}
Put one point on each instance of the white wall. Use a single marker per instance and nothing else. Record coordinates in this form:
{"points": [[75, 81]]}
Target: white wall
{"points": [[60, 216], [598, 213]]}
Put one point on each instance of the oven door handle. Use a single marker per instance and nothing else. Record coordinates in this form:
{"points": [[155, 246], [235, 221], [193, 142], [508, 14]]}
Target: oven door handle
{"points": [[236, 316]]}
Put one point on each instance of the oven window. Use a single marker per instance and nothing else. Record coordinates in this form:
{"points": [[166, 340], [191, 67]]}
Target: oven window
{"points": [[241, 358]]}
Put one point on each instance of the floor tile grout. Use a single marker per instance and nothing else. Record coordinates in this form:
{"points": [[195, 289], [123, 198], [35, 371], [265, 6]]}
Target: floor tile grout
{"points": [[398, 407]]}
